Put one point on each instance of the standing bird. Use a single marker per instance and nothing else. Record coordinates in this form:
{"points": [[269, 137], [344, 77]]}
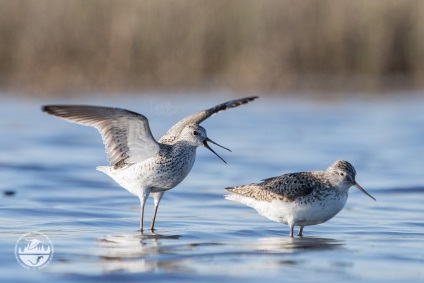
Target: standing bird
{"points": [[137, 162], [300, 199]]}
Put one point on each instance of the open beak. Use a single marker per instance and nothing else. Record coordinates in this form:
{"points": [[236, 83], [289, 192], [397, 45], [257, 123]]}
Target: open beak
{"points": [[364, 191], [205, 143]]}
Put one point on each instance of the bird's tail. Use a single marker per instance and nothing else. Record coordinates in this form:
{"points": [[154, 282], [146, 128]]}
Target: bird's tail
{"points": [[245, 194], [251, 192], [243, 190], [105, 169]]}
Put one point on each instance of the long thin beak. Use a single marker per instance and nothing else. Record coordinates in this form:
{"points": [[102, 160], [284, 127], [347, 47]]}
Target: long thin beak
{"points": [[364, 191], [209, 140], [205, 142]]}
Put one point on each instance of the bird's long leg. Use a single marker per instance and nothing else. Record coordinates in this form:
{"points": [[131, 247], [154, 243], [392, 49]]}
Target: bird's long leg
{"points": [[300, 231], [143, 197], [141, 219], [152, 225], [157, 197], [291, 230]]}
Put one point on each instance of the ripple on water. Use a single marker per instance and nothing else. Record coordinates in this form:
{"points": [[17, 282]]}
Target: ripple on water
{"points": [[200, 236]]}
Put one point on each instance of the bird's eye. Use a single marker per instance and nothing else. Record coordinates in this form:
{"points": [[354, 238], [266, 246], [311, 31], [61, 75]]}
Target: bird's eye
{"points": [[341, 174], [196, 133]]}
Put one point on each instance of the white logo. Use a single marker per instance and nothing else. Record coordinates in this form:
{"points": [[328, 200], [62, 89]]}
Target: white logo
{"points": [[34, 250]]}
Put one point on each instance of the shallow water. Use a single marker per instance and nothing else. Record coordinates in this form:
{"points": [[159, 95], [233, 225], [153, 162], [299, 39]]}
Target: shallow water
{"points": [[49, 184]]}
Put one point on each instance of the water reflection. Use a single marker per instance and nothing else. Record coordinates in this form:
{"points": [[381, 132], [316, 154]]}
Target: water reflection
{"points": [[287, 244], [147, 253], [130, 252]]}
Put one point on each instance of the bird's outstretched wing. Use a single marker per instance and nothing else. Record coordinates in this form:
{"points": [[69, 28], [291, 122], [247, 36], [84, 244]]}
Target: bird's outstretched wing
{"points": [[172, 134], [126, 134]]}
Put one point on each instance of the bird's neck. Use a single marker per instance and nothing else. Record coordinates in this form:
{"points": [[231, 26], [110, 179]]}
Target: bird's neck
{"points": [[184, 147]]}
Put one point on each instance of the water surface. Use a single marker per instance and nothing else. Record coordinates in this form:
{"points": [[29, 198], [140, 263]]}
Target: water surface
{"points": [[49, 184]]}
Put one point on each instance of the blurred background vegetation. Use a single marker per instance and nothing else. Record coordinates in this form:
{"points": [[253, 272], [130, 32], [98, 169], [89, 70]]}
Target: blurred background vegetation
{"points": [[57, 46]]}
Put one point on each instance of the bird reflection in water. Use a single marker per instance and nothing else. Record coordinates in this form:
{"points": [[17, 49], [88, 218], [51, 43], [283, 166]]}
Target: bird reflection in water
{"points": [[281, 244], [136, 253]]}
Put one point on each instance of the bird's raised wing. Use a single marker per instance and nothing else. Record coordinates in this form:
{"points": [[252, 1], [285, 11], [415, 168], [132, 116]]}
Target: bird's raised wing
{"points": [[126, 134], [172, 134]]}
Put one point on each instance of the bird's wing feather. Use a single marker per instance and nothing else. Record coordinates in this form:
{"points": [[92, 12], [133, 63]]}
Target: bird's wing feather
{"points": [[287, 187], [255, 191], [126, 134], [172, 134], [291, 186]]}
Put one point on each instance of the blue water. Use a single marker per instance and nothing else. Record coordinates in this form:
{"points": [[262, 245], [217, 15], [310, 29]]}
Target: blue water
{"points": [[49, 184]]}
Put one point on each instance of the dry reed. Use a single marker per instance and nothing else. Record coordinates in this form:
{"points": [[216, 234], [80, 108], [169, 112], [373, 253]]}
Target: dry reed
{"points": [[57, 45]]}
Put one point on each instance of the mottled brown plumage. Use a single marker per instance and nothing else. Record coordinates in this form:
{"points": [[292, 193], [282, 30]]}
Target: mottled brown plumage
{"points": [[287, 187], [301, 199]]}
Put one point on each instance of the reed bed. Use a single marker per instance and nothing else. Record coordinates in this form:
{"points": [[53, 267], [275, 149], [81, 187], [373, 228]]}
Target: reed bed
{"points": [[55, 46]]}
